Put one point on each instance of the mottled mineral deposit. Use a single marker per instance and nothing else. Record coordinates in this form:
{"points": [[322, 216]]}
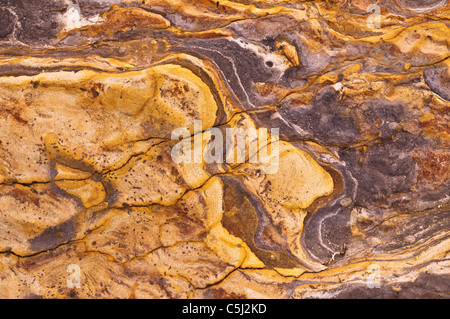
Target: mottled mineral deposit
{"points": [[93, 205]]}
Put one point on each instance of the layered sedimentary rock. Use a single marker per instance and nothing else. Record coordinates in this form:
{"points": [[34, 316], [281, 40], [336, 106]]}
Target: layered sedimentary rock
{"points": [[94, 204]]}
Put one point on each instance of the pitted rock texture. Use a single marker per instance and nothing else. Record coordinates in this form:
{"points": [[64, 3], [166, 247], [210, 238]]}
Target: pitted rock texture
{"points": [[92, 90]]}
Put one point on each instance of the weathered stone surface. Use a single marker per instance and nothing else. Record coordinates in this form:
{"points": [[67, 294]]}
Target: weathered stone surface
{"points": [[92, 91]]}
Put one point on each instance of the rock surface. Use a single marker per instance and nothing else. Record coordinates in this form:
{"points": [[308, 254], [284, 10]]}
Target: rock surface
{"points": [[91, 92]]}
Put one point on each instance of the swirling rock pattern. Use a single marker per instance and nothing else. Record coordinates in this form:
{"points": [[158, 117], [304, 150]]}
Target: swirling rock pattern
{"points": [[91, 91]]}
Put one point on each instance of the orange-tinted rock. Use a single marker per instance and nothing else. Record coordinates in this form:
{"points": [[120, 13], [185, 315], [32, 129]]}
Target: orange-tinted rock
{"points": [[333, 184]]}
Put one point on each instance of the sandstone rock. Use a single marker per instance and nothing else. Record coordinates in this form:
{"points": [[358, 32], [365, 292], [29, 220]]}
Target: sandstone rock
{"points": [[335, 184]]}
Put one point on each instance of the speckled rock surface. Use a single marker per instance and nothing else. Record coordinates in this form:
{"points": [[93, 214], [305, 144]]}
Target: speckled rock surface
{"points": [[93, 204]]}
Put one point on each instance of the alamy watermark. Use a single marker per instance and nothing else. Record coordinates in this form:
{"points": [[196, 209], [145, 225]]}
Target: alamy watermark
{"points": [[374, 20], [374, 279], [74, 279], [256, 146]]}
